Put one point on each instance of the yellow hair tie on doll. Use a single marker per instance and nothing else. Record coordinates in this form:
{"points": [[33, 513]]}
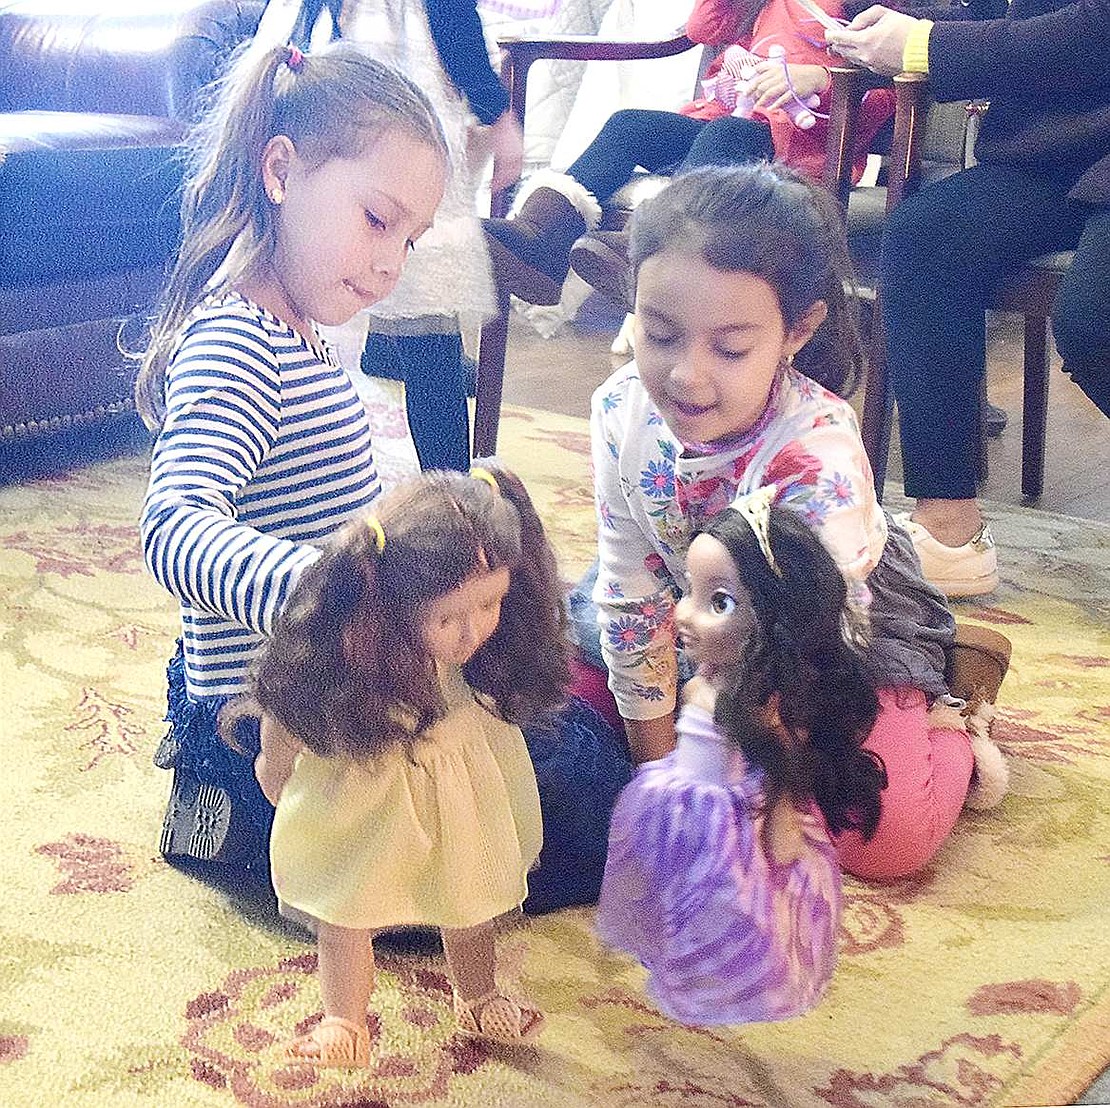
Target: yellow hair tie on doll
{"points": [[374, 526], [755, 507], [480, 474]]}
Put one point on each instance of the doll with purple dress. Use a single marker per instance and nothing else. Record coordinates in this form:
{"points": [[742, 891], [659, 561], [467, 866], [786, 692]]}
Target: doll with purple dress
{"points": [[721, 876]]}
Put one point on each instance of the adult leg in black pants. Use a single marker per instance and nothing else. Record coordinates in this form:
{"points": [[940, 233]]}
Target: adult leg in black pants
{"points": [[945, 251], [1081, 314], [531, 251], [435, 391]]}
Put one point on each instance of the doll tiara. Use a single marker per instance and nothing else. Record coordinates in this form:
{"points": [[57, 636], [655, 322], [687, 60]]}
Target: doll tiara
{"points": [[755, 507]]}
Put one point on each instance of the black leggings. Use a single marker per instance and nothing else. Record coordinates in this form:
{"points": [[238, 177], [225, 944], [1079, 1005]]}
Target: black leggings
{"points": [[945, 251], [665, 142]]}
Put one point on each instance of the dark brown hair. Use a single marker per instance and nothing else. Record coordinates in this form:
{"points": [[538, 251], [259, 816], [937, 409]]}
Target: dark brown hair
{"points": [[769, 221], [800, 656], [346, 670]]}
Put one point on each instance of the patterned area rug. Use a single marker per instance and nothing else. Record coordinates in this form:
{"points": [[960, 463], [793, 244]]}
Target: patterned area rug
{"points": [[983, 981]]}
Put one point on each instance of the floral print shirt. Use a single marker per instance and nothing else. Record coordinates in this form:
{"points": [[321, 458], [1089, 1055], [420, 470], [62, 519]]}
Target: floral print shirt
{"points": [[651, 495]]}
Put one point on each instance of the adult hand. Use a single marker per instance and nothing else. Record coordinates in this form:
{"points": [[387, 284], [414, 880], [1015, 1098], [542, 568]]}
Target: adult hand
{"points": [[507, 145], [875, 39]]}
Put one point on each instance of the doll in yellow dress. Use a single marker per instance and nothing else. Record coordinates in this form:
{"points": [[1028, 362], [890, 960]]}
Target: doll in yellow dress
{"points": [[391, 695]]}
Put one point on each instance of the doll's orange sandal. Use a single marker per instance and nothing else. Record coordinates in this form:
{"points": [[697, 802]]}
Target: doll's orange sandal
{"points": [[498, 1019], [334, 1041]]}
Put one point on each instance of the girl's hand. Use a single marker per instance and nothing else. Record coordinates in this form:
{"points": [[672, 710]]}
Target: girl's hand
{"points": [[507, 144], [274, 763], [769, 87], [786, 841], [876, 39], [649, 739], [698, 691]]}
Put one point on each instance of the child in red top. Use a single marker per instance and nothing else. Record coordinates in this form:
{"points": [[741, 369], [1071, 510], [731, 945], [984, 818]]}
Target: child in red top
{"points": [[801, 72], [530, 251]]}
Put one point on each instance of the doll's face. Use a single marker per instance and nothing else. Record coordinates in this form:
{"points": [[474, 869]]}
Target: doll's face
{"points": [[715, 616], [459, 622]]}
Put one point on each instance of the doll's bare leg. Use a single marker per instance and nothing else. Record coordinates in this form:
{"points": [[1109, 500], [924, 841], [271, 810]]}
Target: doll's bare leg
{"points": [[346, 972], [481, 1010], [471, 959]]}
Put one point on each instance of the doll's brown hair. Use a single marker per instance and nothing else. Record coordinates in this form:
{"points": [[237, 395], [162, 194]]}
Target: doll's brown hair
{"points": [[799, 657], [346, 670]]}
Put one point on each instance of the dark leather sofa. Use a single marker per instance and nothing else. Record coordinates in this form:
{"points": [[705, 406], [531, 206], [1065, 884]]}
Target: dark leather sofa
{"points": [[94, 98]]}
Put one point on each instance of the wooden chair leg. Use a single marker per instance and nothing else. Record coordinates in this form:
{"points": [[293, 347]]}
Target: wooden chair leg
{"points": [[878, 404], [1034, 406], [491, 378]]}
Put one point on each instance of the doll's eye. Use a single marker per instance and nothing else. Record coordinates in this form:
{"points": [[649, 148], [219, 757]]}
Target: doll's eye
{"points": [[722, 603]]}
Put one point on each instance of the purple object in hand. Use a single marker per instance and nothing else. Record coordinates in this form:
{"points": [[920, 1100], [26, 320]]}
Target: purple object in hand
{"points": [[726, 934]]}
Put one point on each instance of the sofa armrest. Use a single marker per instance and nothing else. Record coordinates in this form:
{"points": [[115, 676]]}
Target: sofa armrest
{"points": [[129, 57]]}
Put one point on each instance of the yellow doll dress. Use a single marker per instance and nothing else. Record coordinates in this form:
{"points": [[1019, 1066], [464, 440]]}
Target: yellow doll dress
{"points": [[440, 831]]}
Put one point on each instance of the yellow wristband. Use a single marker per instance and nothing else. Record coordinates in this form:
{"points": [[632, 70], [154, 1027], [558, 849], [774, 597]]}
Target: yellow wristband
{"points": [[915, 53]]}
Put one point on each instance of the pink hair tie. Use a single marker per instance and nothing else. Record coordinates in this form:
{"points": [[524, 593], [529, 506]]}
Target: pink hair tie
{"points": [[295, 58]]}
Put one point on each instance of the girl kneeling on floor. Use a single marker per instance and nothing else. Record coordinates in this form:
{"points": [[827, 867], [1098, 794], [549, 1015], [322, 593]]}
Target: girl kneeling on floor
{"points": [[390, 697], [743, 338]]}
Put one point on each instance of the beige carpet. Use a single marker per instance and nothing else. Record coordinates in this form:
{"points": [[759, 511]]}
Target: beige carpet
{"points": [[983, 981]]}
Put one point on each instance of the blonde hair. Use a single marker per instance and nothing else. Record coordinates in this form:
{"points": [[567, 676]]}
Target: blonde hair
{"points": [[334, 103]]}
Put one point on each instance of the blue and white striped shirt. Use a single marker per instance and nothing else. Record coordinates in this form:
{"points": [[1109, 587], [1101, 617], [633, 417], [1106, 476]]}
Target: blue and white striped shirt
{"points": [[265, 452]]}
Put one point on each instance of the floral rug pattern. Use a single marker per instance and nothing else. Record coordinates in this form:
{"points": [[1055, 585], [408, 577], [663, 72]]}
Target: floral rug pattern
{"points": [[984, 980]]}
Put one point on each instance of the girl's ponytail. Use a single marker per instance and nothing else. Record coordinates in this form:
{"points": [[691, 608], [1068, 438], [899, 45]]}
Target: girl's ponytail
{"points": [[222, 205]]}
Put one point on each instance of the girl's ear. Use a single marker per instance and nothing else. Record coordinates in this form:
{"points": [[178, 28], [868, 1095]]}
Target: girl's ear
{"points": [[807, 324], [277, 157]]}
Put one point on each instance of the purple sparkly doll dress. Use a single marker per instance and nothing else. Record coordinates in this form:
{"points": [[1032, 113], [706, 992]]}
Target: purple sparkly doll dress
{"points": [[727, 934]]}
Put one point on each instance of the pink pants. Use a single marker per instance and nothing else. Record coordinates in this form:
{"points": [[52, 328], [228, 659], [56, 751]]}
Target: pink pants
{"points": [[928, 772]]}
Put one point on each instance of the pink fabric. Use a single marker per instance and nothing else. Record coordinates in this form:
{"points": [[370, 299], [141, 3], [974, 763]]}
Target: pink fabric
{"points": [[928, 771], [591, 684], [801, 37]]}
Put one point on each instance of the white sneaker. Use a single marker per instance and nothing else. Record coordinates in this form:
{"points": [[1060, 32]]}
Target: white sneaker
{"points": [[968, 570]]}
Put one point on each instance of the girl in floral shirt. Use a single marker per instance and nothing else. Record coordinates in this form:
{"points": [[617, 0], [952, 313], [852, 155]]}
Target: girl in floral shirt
{"points": [[742, 332]]}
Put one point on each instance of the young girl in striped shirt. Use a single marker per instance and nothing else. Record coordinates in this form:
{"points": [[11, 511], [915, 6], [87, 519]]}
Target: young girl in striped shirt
{"points": [[308, 183]]}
